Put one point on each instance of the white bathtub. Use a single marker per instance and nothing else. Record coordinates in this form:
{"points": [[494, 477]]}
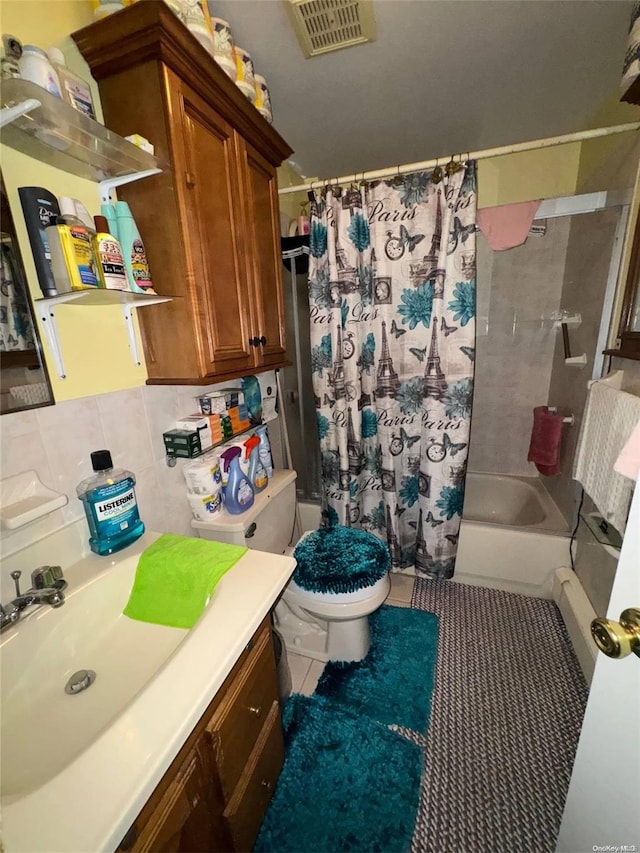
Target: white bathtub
{"points": [[511, 501], [512, 535]]}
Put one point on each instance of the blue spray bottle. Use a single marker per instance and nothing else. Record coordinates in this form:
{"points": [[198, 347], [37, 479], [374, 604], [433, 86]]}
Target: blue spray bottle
{"points": [[265, 450], [238, 493]]}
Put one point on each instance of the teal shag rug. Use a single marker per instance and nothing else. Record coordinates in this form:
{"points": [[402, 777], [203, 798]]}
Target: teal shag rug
{"points": [[340, 559], [394, 683], [350, 782]]}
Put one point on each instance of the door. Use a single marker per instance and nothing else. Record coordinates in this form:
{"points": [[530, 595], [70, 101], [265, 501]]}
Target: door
{"points": [[602, 805], [206, 179], [262, 224]]}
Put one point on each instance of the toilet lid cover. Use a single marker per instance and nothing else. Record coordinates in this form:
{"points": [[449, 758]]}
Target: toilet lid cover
{"points": [[340, 559]]}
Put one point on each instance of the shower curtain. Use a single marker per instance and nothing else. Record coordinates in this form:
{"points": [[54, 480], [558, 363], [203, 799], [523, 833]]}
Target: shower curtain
{"points": [[392, 310]]}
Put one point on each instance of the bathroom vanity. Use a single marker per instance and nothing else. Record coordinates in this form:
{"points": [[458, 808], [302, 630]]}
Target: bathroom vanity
{"points": [[215, 793], [177, 744]]}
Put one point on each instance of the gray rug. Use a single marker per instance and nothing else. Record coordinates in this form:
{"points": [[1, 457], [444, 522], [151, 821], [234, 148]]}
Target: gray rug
{"points": [[506, 714]]}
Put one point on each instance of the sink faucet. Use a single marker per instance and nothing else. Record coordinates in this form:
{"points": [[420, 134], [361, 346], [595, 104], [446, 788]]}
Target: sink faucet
{"points": [[47, 587]]}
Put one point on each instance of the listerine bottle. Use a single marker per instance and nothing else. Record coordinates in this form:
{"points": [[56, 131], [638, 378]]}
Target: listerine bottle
{"points": [[109, 501]]}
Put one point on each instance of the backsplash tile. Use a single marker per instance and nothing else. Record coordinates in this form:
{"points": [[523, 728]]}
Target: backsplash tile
{"points": [[57, 441]]}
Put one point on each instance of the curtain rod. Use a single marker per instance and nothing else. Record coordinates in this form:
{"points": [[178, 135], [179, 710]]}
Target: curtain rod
{"points": [[549, 142]]}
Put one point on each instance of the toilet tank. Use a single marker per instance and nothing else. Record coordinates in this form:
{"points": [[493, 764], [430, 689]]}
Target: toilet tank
{"points": [[266, 526]]}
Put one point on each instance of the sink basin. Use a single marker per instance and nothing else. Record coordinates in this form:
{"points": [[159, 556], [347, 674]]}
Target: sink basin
{"points": [[102, 751], [43, 728]]}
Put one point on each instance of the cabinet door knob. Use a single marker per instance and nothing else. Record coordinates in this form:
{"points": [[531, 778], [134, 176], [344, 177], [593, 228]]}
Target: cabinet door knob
{"points": [[266, 785], [263, 341], [256, 711], [254, 342]]}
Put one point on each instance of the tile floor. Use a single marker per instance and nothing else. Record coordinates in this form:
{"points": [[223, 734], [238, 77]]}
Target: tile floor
{"points": [[305, 672]]}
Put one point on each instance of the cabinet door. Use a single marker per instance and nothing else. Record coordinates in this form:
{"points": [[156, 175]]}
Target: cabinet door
{"points": [[206, 178], [184, 821], [260, 194]]}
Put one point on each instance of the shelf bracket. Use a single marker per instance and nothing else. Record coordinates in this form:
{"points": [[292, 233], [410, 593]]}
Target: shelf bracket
{"points": [[110, 184], [131, 333], [48, 320], [9, 114]]}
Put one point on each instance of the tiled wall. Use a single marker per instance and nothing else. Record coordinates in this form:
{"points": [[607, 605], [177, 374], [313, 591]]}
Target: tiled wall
{"points": [[57, 441], [516, 288]]}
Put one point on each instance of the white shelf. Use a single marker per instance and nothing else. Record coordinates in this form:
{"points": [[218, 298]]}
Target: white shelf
{"points": [[96, 297], [24, 498]]}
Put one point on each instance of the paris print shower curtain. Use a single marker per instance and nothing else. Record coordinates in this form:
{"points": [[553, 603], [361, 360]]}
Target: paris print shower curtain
{"points": [[392, 309]]}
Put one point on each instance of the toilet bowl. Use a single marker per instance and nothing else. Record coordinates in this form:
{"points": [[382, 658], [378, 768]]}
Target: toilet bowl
{"points": [[320, 625], [329, 625]]}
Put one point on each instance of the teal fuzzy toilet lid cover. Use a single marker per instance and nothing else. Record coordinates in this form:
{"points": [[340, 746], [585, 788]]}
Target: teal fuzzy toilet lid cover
{"points": [[340, 559]]}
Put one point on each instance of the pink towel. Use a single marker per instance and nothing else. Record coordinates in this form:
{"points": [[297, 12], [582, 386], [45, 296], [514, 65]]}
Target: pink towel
{"points": [[507, 226], [546, 435], [628, 463]]}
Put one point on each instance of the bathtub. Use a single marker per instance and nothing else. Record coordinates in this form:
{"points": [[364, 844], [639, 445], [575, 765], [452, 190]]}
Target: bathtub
{"points": [[512, 536]]}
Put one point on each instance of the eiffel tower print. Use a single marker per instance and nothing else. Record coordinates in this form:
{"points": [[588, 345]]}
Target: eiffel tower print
{"points": [[336, 377], [427, 270], [435, 385], [392, 541], [354, 448], [423, 558], [388, 382]]}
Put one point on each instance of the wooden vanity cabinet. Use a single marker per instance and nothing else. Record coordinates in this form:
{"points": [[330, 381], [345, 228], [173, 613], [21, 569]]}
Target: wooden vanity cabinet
{"points": [[210, 222], [214, 795]]}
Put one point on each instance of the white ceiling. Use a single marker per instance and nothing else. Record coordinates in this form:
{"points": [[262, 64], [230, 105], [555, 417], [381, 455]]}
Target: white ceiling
{"points": [[443, 77]]}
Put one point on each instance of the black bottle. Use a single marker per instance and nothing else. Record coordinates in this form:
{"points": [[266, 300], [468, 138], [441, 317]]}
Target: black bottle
{"points": [[40, 208]]}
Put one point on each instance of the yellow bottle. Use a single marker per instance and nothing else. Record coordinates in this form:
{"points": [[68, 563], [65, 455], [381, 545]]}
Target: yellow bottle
{"points": [[73, 260], [111, 268]]}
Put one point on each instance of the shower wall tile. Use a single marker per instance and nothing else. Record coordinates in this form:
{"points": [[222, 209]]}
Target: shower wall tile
{"points": [[517, 289]]}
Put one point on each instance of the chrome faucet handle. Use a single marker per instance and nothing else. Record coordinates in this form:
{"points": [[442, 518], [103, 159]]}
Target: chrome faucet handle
{"points": [[16, 579], [50, 577]]}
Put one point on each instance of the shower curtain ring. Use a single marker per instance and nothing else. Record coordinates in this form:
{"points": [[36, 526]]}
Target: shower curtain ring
{"points": [[436, 175], [397, 181]]}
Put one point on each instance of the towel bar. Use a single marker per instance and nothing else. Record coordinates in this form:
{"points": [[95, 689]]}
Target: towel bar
{"points": [[569, 419]]}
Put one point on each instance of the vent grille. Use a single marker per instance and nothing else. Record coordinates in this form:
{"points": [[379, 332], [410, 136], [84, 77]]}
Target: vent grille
{"points": [[326, 25]]}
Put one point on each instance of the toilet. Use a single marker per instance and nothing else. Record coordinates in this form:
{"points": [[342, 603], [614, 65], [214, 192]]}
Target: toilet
{"points": [[320, 625]]}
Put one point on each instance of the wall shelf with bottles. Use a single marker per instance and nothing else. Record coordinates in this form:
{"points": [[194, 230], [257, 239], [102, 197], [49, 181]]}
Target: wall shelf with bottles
{"points": [[45, 309], [42, 126]]}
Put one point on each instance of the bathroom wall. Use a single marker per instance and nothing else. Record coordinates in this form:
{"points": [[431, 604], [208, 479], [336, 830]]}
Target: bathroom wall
{"points": [[516, 288], [57, 441], [589, 249]]}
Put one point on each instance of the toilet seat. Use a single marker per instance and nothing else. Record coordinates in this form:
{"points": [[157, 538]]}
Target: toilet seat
{"points": [[339, 606]]}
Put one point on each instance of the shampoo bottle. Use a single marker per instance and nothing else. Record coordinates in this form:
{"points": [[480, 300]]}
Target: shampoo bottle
{"points": [[238, 494], [135, 257], [265, 450], [111, 268], [72, 256], [109, 501], [257, 473], [109, 213], [40, 208]]}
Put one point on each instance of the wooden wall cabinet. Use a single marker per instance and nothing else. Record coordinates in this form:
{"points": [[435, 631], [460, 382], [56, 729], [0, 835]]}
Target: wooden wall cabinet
{"points": [[214, 795], [210, 221]]}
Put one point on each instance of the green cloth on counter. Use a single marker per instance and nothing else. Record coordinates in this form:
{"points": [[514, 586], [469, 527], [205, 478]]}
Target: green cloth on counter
{"points": [[175, 578]]}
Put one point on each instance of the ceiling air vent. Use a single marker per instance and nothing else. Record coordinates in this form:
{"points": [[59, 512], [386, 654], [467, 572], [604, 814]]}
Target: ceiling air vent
{"points": [[326, 25]]}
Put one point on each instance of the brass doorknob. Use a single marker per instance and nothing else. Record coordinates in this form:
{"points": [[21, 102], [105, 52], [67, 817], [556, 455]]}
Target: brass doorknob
{"points": [[618, 639]]}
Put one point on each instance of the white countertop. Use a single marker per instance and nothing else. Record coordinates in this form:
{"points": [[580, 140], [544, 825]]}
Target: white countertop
{"points": [[91, 804]]}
